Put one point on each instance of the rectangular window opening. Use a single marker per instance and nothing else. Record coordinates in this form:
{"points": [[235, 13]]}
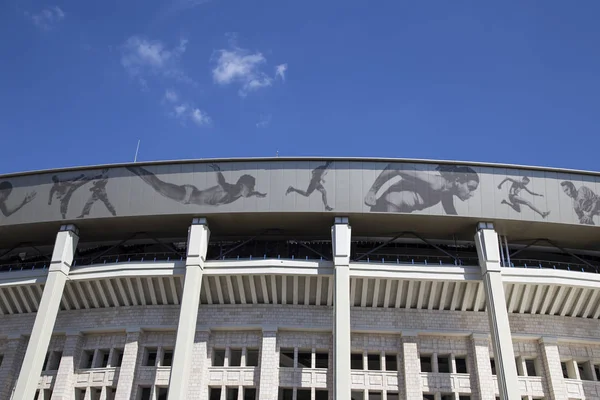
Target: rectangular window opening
{"points": [[356, 361], [322, 360], [304, 359], [373, 363], [444, 364], [286, 358], [461, 365], [391, 362], [252, 358], [235, 357], [426, 363], [303, 394], [218, 358], [151, 353]]}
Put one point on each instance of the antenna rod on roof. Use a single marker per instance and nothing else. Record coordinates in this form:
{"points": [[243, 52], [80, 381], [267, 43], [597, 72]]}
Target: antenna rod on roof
{"points": [[136, 151]]}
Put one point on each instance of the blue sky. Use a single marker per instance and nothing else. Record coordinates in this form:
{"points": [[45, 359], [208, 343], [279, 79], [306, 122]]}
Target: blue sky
{"points": [[81, 81]]}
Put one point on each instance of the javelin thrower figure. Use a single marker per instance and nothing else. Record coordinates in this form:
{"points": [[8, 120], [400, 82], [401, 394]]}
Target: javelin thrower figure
{"points": [[418, 190], [316, 183], [514, 195], [222, 193]]}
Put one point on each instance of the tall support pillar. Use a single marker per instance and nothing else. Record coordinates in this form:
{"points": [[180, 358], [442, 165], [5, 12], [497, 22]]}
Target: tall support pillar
{"points": [[62, 258], [411, 366], [269, 365], [128, 365], [554, 376], [65, 376], [341, 234], [198, 237], [13, 354], [486, 240]]}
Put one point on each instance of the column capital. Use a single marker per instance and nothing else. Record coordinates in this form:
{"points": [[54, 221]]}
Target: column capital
{"points": [[480, 336], [549, 340], [341, 221], [69, 227], [410, 333], [485, 225], [269, 329], [199, 221]]}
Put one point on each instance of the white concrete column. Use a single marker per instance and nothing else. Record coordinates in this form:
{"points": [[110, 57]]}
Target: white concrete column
{"points": [[65, 376], [557, 389], [483, 368], [411, 366], [13, 356], [341, 234], [198, 237], [486, 240], [269, 365], [62, 258], [128, 365]]}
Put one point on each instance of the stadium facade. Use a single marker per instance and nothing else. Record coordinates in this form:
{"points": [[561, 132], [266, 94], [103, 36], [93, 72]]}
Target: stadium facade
{"points": [[300, 279]]}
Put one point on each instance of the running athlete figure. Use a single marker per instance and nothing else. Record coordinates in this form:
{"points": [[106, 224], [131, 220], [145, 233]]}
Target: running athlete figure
{"points": [[98, 190], [514, 198], [418, 190], [586, 203], [316, 182], [5, 190], [222, 193], [64, 189]]}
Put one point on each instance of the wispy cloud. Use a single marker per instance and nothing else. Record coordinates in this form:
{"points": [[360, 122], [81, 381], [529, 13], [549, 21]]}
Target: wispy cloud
{"points": [[142, 58], [280, 71], [264, 121], [185, 112], [47, 18], [171, 96], [243, 67]]}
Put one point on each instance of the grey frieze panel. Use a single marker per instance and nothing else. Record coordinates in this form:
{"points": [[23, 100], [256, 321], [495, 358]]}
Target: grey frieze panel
{"points": [[340, 186]]}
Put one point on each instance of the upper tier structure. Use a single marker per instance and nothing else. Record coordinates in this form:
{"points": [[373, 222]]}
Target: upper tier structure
{"points": [[379, 194]]}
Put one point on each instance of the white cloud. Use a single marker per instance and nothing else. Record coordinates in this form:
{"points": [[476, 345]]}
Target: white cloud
{"points": [[142, 57], [280, 71], [264, 121], [242, 67], [171, 96], [199, 117], [184, 112], [47, 18]]}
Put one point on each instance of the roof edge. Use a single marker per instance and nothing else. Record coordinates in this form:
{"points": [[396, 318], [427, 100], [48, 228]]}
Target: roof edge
{"points": [[307, 158]]}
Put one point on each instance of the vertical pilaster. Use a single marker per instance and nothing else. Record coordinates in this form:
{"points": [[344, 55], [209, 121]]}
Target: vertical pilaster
{"points": [[483, 369], [62, 258], [269, 365], [411, 366], [341, 234], [13, 356], [551, 360], [198, 237], [128, 365], [198, 382], [486, 240], [65, 376]]}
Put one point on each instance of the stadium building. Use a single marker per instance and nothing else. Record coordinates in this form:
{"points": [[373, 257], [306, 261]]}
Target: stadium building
{"points": [[300, 279]]}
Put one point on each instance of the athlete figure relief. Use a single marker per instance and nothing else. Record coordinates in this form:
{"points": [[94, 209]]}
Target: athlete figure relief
{"points": [[64, 189], [514, 198], [586, 203], [5, 190], [98, 190], [222, 193], [418, 190], [316, 183]]}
